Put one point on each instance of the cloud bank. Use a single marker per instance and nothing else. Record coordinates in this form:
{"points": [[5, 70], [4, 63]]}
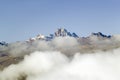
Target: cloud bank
{"points": [[66, 45], [64, 58], [57, 66]]}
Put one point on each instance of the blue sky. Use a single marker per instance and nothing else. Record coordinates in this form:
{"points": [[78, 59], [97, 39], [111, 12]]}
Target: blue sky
{"points": [[22, 19]]}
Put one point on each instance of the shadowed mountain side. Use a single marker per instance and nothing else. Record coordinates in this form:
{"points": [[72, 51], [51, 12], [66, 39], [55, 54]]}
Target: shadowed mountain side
{"points": [[8, 60]]}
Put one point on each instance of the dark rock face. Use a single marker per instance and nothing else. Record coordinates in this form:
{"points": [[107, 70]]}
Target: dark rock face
{"points": [[74, 35], [3, 43], [99, 34]]}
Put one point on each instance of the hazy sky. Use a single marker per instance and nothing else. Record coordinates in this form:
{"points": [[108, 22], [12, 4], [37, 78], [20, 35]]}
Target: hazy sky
{"points": [[21, 19]]}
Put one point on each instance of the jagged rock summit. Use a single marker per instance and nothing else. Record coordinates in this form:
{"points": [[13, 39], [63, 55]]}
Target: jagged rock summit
{"points": [[99, 34], [63, 32]]}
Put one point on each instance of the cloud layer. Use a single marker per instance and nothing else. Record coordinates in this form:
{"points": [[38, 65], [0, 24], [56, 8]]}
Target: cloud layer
{"points": [[64, 58], [66, 45], [57, 66]]}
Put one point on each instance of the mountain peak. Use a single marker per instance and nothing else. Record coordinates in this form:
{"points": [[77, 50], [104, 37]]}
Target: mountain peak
{"points": [[63, 32]]}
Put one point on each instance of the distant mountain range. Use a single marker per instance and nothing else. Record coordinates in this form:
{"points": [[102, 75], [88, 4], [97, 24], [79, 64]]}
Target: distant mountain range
{"points": [[63, 41], [61, 32]]}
